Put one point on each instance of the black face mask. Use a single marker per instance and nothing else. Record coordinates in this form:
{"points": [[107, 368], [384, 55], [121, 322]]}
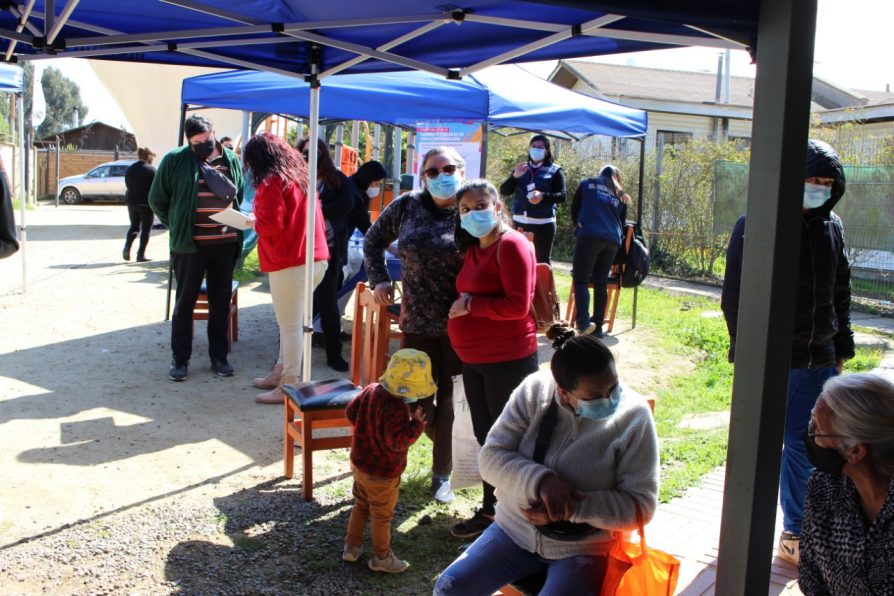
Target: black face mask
{"points": [[824, 459], [203, 149]]}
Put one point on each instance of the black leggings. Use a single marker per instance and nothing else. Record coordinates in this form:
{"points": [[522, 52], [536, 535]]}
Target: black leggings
{"points": [[544, 234], [488, 387], [141, 217]]}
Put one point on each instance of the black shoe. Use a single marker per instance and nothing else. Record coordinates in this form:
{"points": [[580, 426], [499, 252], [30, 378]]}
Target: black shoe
{"points": [[598, 332], [223, 368], [143, 259], [317, 340], [125, 254], [337, 363], [474, 526], [179, 371]]}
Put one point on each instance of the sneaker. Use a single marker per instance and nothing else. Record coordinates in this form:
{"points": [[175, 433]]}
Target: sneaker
{"points": [[390, 564], [143, 259], [474, 526], [598, 332], [587, 329], [440, 490], [178, 371], [125, 254], [223, 368], [351, 553], [789, 548]]}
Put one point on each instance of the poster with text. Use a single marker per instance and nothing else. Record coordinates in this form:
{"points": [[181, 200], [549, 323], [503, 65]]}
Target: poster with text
{"points": [[465, 137]]}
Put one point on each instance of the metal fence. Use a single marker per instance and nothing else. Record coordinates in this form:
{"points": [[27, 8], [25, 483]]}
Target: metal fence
{"points": [[867, 211]]}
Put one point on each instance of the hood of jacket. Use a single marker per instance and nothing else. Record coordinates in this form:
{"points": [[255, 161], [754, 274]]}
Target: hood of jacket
{"points": [[823, 162]]}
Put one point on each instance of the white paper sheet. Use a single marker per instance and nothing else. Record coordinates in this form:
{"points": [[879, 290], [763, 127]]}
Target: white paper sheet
{"points": [[233, 218]]}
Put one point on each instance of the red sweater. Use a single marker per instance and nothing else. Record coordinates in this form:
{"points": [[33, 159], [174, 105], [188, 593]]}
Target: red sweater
{"points": [[383, 432], [500, 327], [281, 224]]}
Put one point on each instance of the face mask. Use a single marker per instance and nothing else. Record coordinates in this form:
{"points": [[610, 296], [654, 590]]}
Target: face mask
{"points": [[373, 191], [823, 459], [203, 149], [478, 223], [599, 409], [444, 186], [410, 400], [815, 195], [537, 153]]}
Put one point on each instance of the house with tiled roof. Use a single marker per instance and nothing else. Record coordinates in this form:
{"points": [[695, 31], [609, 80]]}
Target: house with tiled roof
{"points": [[685, 104]]}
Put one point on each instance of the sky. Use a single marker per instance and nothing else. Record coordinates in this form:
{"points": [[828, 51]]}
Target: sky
{"points": [[852, 37]]}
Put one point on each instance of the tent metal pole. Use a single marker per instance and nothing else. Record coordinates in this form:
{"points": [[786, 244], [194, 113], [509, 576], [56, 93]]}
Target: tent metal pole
{"points": [[767, 308], [482, 169], [23, 195], [339, 135], [639, 214], [395, 161], [313, 137], [180, 133], [377, 140], [355, 135]]}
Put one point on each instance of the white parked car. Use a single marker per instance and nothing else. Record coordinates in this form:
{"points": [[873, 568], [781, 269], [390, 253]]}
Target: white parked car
{"points": [[105, 182]]}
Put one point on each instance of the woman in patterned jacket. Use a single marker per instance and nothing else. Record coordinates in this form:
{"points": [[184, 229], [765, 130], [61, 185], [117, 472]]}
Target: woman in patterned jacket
{"points": [[847, 540]]}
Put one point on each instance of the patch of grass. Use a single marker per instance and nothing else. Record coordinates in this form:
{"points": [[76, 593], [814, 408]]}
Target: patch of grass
{"points": [[250, 269], [17, 205], [864, 360]]}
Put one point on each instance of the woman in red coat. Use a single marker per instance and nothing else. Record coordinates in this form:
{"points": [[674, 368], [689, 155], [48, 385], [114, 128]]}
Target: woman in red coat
{"points": [[280, 207], [491, 326]]}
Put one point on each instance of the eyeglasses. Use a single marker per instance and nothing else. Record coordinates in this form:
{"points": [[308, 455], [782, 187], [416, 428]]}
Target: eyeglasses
{"points": [[811, 432], [449, 169]]}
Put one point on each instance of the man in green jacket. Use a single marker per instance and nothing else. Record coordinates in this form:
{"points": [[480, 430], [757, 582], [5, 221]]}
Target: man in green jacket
{"points": [[192, 183]]}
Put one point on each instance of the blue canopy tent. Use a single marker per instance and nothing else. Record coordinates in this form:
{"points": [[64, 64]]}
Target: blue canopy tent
{"points": [[299, 38], [12, 80], [525, 101]]}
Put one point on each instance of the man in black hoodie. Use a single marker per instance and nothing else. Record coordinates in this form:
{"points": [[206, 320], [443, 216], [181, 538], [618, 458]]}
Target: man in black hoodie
{"points": [[822, 339]]}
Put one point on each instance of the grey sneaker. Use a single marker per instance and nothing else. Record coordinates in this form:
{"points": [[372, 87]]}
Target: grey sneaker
{"points": [[440, 490], [587, 329], [390, 564], [178, 371], [351, 553]]}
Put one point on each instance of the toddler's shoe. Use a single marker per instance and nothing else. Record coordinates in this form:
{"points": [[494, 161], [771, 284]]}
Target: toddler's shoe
{"points": [[389, 564], [351, 553]]}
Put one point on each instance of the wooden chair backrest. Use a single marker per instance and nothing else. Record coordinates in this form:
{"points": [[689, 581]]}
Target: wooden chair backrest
{"points": [[369, 338]]}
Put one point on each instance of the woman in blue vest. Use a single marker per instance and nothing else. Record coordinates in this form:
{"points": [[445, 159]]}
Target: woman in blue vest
{"points": [[598, 211], [537, 187]]}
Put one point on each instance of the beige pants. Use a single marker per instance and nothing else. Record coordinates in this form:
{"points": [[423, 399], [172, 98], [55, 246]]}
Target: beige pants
{"points": [[287, 291]]}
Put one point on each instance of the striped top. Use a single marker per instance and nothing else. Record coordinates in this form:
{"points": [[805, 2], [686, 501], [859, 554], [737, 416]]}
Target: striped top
{"points": [[206, 231]]}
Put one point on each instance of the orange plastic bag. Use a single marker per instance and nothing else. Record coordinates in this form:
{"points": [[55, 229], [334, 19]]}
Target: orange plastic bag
{"points": [[634, 569]]}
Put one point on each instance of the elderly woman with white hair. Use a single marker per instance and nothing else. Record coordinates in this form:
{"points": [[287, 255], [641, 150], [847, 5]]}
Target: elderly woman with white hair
{"points": [[847, 539]]}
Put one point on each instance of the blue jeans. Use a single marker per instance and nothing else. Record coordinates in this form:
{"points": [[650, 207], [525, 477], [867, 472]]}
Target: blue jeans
{"points": [[494, 560], [804, 387]]}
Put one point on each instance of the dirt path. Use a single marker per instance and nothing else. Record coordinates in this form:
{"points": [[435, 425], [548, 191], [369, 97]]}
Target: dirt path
{"points": [[90, 427]]}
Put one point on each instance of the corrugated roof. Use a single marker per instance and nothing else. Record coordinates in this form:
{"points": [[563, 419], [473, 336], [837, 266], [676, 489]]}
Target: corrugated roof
{"points": [[613, 80]]}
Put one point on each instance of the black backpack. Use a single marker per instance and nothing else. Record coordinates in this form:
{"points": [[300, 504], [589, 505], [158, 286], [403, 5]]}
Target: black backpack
{"points": [[636, 261]]}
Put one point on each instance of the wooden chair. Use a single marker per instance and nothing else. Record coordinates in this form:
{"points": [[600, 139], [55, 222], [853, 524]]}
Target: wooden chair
{"points": [[200, 312], [613, 285], [321, 404]]}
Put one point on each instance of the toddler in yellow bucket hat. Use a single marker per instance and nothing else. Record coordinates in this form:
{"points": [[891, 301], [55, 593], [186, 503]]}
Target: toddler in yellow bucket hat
{"points": [[383, 430]]}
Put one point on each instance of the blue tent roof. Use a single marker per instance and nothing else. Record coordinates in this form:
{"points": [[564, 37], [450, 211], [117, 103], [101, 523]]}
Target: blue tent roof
{"points": [[12, 78], [394, 35], [515, 98]]}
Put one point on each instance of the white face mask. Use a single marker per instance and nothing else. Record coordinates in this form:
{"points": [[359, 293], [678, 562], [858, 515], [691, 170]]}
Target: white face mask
{"points": [[373, 191]]}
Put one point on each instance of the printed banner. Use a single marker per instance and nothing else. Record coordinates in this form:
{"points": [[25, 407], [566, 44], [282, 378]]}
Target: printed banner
{"points": [[465, 137]]}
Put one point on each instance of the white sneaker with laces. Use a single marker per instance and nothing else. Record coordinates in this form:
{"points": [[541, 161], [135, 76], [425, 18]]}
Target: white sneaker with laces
{"points": [[390, 564], [351, 553]]}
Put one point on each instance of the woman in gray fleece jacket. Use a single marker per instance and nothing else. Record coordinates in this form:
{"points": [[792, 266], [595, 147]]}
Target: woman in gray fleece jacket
{"points": [[599, 465]]}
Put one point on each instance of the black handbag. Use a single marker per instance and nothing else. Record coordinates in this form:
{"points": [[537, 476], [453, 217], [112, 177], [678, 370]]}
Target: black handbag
{"points": [[564, 530], [219, 184]]}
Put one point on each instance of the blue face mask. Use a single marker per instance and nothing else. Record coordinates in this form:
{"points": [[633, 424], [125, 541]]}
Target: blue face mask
{"points": [[815, 195], [478, 223], [444, 186], [410, 400], [537, 153], [599, 409]]}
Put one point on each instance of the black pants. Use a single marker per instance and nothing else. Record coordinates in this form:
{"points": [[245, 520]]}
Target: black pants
{"points": [[215, 263], [326, 305], [445, 365], [543, 238], [593, 258], [141, 217], [488, 387]]}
